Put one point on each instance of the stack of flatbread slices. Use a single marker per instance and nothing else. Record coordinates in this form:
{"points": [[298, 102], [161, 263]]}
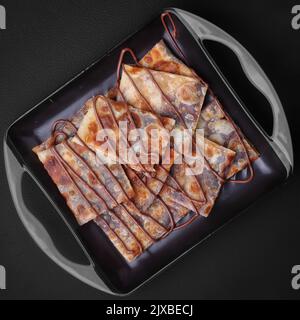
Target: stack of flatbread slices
{"points": [[134, 203]]}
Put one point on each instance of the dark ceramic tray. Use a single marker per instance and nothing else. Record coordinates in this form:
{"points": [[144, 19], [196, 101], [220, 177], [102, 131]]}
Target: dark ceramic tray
{"points": [[107, 270]]}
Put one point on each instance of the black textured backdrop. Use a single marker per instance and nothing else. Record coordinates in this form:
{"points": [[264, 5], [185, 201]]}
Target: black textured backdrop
{"points": [[48, 42]]}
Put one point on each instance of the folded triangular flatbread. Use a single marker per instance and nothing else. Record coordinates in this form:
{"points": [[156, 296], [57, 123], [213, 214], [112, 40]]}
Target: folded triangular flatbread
{"points": [[216, 127], [184, 94], [98, 192], [72, 166], [164, 93]]}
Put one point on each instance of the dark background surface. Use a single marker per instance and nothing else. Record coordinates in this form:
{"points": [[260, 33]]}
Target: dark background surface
{"points": [[48, 42]]}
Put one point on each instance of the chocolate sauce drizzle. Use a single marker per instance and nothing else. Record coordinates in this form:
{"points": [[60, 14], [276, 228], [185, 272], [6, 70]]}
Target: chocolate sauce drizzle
{"points": [[173, 34]]}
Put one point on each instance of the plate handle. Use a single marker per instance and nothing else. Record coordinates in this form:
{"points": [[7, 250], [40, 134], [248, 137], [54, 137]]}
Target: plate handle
{"points": [[202, 29], [40, 235]]}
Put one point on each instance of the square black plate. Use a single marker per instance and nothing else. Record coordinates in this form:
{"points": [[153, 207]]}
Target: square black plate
{"points": [[31, 129]]}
